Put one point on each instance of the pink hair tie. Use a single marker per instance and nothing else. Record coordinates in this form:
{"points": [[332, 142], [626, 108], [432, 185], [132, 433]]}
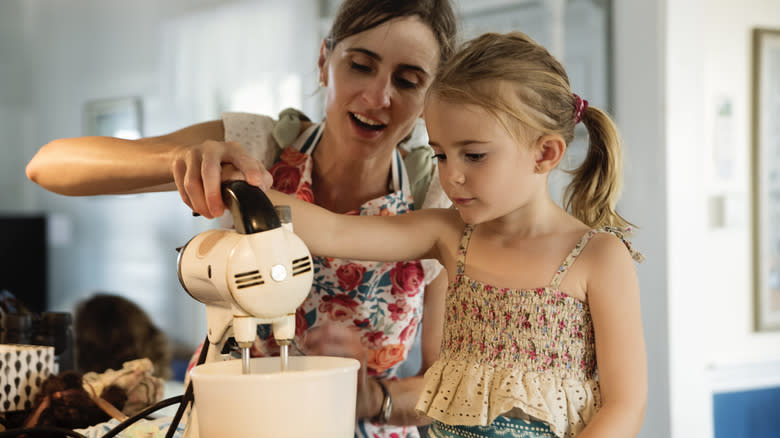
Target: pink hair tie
{"points": [[580, 105]]}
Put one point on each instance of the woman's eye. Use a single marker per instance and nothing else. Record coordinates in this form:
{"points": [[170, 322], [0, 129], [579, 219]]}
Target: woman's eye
{"points": [[405, 83], [475, 157], [360, 67], [440, 156]]}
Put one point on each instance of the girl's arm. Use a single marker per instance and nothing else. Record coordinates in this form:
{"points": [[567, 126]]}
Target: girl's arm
{"points": [[409, 236], [613, 297], [188, 160]]}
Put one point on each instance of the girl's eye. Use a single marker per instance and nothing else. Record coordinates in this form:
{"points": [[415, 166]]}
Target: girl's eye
{"points": [[475, 157], [440, 157], [360, 67]]}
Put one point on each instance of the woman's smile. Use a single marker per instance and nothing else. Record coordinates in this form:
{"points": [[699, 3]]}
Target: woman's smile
{"points": [[366, 125]]}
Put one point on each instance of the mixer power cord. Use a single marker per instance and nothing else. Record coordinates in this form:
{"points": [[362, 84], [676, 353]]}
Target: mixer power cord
{"points": [[183, 400], [188, 397], [146, 412]]}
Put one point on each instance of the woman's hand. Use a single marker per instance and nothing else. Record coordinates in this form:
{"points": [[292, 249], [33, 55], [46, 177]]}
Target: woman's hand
{"points": [[336, 340], [199, 170]]}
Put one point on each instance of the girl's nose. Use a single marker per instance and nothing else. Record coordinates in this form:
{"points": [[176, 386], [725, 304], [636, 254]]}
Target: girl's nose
{"points": [[378, 92], [457, 177]]}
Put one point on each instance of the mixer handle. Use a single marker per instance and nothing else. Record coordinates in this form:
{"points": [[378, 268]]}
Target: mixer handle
{"points": [[251, 209]]}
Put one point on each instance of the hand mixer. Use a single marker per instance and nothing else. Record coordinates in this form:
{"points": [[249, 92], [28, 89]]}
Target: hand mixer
{"points": [[258, 273]]}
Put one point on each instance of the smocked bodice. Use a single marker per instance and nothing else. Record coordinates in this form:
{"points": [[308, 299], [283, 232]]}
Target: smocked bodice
{"points": [[542, 329]]}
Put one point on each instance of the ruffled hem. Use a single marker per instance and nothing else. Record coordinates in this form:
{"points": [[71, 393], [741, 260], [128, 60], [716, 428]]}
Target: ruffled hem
{"points": [[474, 395]]}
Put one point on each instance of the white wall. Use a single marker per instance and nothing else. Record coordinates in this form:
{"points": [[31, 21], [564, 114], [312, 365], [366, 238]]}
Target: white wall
{"points": [[713, 345], [675, 63], [640, 105]]}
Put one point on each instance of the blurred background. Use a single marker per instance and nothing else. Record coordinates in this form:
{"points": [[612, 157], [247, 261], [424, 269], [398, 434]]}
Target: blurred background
{"points": [[676, 75]]}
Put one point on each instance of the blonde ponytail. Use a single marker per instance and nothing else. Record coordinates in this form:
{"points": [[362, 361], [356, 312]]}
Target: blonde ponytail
{"points": [[596, 184]]}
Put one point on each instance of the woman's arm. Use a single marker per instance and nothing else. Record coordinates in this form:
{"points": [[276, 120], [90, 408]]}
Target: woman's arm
{"points": [[406, 392], [188, 160], [83, 166], [613, 297], [340, 341]]}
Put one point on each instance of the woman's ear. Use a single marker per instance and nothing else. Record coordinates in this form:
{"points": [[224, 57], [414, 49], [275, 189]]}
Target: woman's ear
{"points": [[549, 152], [322, 64]]}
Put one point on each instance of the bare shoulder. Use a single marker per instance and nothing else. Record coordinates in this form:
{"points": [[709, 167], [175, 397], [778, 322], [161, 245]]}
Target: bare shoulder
{"points": [[610, 264], [447, 225], [447, 217], [607, 246], [446, 221]]}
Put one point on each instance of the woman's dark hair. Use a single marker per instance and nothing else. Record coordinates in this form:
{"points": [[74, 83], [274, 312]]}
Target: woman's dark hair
{"points": [[111, 330], [355, 16]]}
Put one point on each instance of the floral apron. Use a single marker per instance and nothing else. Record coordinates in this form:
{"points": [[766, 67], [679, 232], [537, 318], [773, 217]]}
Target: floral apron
{"points": [[382, 300]]}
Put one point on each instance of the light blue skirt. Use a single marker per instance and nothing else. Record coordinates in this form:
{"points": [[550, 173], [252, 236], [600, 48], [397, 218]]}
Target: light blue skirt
{"points": [[500, 427]]}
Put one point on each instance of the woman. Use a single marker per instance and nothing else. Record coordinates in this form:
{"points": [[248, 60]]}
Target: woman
{"points": [[375, 64]]}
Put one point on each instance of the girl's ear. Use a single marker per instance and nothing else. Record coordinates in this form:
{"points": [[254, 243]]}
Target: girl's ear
{"points": [[322, 64], [549, 152]]}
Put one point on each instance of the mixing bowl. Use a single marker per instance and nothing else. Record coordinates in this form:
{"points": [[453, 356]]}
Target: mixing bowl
{"points": [[315, 397]]}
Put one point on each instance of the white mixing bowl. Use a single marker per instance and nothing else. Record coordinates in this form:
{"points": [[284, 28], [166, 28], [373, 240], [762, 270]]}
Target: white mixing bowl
{"points": [[315, 397]]}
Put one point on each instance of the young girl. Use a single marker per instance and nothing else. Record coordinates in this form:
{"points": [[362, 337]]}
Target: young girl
{"points": [[539, 295]]}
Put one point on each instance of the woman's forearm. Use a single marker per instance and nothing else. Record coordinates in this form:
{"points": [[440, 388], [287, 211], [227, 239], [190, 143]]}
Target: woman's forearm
{"points": [[100, 165], [85, 166], [404, 393]]}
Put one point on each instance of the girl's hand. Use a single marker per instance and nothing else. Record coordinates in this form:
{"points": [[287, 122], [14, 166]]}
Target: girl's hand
{"points": [[198, 171], [336, 340]]}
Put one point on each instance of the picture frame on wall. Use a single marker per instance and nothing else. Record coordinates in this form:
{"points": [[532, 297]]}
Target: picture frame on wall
{"points": [[114, 117], [766, 177]]}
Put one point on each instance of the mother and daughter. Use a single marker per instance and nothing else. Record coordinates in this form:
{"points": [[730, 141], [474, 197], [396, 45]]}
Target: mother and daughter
{"points": [[542, 332]]}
